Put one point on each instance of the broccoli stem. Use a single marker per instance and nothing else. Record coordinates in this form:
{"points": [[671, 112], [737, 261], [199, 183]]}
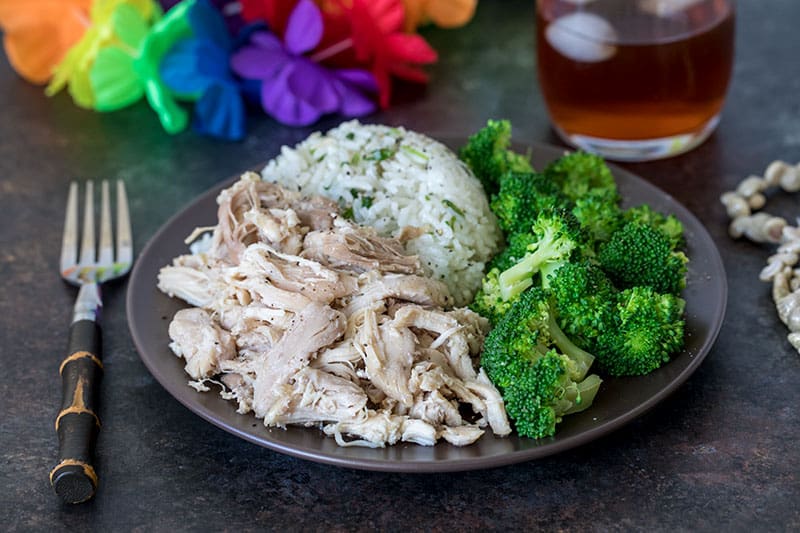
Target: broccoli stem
{"points": [[583, 359], [518, 278], [586, 391], [547, 270]]}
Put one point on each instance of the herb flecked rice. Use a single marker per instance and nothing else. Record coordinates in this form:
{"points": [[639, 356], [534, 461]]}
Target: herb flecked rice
{"points": [[391, 177]]}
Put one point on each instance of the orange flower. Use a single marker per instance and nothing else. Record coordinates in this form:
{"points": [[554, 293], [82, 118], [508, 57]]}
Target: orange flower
{"points": [[38, 33], [444, 13]]}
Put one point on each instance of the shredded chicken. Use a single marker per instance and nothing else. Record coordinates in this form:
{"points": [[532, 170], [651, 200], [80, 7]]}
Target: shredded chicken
{"points": [[200, 341], [306, 318], [359, 249]]}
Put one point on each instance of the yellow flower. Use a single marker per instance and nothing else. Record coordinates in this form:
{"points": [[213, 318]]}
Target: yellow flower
{"points": [[73, 71], [443, 13]]}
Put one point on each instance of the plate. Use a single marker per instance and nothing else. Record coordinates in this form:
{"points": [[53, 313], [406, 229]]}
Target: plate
{"points": [[619, 401]]}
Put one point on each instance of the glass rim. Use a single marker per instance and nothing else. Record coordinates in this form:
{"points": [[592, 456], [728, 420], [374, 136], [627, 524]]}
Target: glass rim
{"points": [[581, 8]]}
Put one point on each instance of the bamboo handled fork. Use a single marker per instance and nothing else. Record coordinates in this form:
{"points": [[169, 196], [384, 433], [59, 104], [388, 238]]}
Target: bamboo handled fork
{"points": [[74, 478]]}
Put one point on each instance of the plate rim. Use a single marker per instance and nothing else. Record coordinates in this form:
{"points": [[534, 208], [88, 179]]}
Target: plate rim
{"points": [[440, 465]]}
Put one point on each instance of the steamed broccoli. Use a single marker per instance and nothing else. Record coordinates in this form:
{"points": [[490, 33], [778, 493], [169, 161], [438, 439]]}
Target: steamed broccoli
{"points": [[488, 301], [599, 214], [648, 328], [521, 196], [579, 276], [553, 238], [557, 236], [583, 298], [488, 154], [632, 332], [539, 372], [667, 224], [640, 255], [579, 174], [516, 247]]}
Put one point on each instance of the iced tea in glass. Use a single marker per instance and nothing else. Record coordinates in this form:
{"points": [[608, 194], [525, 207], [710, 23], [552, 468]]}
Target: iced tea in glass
{"points": [[634, 80]]}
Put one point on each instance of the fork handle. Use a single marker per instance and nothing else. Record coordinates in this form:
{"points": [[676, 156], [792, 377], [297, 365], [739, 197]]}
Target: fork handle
{"points": [[74, 478]]}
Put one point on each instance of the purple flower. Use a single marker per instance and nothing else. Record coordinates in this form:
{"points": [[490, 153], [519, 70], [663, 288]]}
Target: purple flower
{"points": [[295, 89]]}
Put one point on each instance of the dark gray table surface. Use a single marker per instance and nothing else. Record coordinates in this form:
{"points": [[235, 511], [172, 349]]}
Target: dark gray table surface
{"points": [[720, 454]]}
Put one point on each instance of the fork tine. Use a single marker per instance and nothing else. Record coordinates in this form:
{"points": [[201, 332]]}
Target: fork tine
{"points": [[124, 239], [69, 241], [106, 255], [87, 256]]}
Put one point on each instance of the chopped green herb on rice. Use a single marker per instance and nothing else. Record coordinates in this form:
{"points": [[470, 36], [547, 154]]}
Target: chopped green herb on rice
{"points": [[389, 178]]}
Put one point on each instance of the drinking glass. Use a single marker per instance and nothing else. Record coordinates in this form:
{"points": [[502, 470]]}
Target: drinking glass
{"points": [[634, 80]]}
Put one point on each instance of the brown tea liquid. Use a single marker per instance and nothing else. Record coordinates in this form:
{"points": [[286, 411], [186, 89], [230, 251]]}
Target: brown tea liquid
{"points": [[667, 76]]}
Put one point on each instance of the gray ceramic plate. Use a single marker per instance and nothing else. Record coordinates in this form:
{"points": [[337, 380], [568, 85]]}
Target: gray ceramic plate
{"points": [[618, 402]]}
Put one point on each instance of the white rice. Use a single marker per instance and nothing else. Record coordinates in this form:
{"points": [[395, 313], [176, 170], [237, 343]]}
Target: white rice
{"points": [[393, 177]]}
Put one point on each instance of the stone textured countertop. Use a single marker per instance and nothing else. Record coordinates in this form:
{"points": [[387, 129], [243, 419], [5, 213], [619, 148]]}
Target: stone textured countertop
{"points": [[720, 454]]}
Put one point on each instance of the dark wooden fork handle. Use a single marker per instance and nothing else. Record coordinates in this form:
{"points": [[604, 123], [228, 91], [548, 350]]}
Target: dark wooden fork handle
{"points": [[74, 478]]}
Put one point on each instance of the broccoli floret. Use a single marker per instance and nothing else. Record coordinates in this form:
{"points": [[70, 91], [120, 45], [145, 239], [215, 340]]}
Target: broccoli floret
{"points": [[521, 196], [632, 332], [488, 301], [488, 154], [557, 236], [579, 174], [540, 373], [543, 395], [516, 248], [599, 214], [667, 224], [584, 299], [648, 329], [587, 182], [640, 255]]}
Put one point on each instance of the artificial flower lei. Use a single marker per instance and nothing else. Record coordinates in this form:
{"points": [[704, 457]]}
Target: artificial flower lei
{"points": [[298, 59]]}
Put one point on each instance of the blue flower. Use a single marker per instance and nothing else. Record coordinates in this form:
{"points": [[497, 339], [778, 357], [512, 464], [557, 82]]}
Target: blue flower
{"points": [[196, 69]]}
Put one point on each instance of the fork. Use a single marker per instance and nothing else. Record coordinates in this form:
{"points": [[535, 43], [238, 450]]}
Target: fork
{"points": [[74, 478]]}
